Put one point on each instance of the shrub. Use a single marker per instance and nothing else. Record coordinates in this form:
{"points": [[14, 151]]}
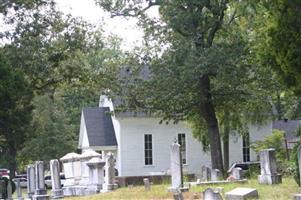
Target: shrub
{"points": [[275, 141]]}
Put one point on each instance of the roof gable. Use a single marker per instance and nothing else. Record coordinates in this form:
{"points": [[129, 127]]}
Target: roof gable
{"points": [[99, 126]]}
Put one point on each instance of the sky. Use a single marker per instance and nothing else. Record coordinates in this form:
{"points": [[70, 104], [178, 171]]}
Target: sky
{"points": [[126, 29], [89, 11]]}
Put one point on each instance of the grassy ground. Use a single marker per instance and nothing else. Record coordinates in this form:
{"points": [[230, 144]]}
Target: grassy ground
{"points": [[283, 191]]}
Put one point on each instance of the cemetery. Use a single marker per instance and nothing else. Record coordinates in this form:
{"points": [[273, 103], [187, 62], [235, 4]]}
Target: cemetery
{"points": [[150, 99], [90, 175]]}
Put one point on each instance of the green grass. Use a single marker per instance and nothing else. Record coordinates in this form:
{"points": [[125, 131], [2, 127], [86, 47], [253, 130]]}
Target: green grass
{"points": [[283, 191]]}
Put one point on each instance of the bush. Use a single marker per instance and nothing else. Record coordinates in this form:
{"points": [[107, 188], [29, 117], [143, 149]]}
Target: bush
{"points": [[253, 171], [274, 141]]}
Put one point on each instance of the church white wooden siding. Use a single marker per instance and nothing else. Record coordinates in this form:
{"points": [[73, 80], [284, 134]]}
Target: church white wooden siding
{"points": [[131, 153], [256, 133]]}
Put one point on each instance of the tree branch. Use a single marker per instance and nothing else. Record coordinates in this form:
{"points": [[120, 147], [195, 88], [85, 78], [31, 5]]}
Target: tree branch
{"points": [[127, 12]]}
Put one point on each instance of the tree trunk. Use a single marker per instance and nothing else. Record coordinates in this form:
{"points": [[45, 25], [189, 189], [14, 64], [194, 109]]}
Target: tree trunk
{"points": [[226, 145], [12, 164], [208, 113]]}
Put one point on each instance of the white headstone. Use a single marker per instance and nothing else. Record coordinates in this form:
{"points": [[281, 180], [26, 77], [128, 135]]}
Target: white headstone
{"points": [[30, 181], [216, 175], [19, 190], [237, 173], [9, 191], [175, 167], [147, 185], [39, 181], [209, 194], [40, 191], [96, 172], [87, 155], [72, 169], [268, 168], [57, 191], [109, 172], [242, 193], [206, 173]]}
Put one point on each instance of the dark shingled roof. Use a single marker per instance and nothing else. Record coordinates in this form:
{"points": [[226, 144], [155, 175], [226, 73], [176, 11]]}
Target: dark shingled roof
{"points": [[100, 129]]}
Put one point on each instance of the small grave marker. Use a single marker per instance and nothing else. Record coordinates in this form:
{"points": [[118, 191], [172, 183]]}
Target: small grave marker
{"points": [[209, 194], [268, 168], [147, 185], [241, 194]]}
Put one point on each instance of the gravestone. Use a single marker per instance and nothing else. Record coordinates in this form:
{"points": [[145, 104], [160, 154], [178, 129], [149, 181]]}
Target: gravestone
{"points": [[9, 191], [237, 173], [206, 173], [95, 175], [176, 167], [216, 175], [87, 155], [298, 196], [268, 168], [219, 189], [147, 185], [241, 194], [109, 173], [19, 190], [209, 194], [40, 190], [57, 191], [30, 181], [2, 188], [72, 168]]}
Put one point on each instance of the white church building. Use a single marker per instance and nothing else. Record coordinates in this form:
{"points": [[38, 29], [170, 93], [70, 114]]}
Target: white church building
{"points": [[141, 145]]}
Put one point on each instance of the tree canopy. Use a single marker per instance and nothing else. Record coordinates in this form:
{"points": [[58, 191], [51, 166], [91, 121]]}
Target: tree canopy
{"points": [[202, 70], [278, 33]]}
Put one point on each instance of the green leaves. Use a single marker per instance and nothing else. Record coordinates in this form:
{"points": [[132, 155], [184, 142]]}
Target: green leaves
{"points": [[279, 40]]}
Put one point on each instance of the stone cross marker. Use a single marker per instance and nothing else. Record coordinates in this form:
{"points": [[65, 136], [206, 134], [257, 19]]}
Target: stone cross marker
{"points": [[30, 181], [268, 168], [19, 191], [110, 172], [57, 191], [176, 167], [147, 185]]}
